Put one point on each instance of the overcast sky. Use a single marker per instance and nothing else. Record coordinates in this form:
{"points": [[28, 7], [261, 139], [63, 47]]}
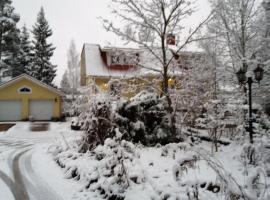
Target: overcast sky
{"points": [[78, 20]]}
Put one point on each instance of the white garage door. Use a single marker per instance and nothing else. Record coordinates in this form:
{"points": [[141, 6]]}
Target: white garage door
{"points": [[41, 109], [10, 110]]}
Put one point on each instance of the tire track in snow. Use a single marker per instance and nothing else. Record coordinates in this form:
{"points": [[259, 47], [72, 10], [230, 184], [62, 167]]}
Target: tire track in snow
{"points": [[15, 186], [40, 190], [18, 177], [16, 192], [25, 184]]}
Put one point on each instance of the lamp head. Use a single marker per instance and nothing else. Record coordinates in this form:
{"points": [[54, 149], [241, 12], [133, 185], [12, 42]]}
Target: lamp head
{"points": [[258, 72]]}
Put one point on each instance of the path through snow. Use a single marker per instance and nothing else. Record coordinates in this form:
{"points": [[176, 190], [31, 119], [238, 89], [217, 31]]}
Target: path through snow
{"points": [[19, 180]]}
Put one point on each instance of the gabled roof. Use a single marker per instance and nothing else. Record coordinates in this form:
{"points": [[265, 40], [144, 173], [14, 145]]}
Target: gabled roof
{"points": [[95, 65], [32, 79]]}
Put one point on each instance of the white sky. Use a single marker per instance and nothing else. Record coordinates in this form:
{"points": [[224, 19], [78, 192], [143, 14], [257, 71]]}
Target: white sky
{"points": [[78, 19]]}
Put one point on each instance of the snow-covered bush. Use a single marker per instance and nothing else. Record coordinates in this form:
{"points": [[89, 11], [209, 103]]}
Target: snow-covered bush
{"points": [[261, 122], [67, 107], [255, 160], [204, 177], [114, 167], [144, 118], [190, 170], [78, 105], [97, 124], [265, 122], [81, 105], [121, 170]]}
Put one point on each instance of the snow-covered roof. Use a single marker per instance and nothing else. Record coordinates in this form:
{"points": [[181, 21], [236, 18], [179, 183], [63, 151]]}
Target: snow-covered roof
{"points": [[126, 49], [96, 65], [96, 61]]}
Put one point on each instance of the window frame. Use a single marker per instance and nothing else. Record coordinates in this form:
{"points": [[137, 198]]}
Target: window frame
{"points": [[24, 92]]}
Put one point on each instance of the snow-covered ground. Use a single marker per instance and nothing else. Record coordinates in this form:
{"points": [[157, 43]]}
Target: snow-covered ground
{"points": [[175, 171], [24, 160]]}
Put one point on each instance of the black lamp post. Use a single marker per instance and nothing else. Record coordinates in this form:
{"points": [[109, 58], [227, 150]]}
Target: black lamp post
{"points": [[241, 75]]}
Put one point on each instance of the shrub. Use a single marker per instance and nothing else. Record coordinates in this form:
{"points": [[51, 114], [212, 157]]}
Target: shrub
{"points": [[144, 118], [97, 125]]}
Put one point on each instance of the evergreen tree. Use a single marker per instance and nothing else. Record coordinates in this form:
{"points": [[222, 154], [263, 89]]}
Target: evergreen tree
{"points": [[65, 86], [42, 68], [24, 57], [9, 36], [13, 62]]}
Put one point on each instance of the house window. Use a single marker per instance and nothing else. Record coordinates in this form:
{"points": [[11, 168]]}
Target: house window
{"points": [[25, 90], [115, 59], [124, 59]]}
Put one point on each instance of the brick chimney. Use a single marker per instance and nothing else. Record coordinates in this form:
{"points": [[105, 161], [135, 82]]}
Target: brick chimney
{"points": [[171, 39]]}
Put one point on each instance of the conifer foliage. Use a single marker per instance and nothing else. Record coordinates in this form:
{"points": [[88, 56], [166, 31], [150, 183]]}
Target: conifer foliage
{"points": [[42, 68], [9, 35], [25, 55]]}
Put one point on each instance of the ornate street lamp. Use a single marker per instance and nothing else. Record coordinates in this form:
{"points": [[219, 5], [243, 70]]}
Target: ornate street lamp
{"points": [[241, 76], [258, 72]]}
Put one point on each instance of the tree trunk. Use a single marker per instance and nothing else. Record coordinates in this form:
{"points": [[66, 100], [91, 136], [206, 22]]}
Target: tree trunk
{"points": [[165, 88]]}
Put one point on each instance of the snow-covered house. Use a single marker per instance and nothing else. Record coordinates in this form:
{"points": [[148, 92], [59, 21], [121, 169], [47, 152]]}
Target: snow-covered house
{"points": [[99, 65]]}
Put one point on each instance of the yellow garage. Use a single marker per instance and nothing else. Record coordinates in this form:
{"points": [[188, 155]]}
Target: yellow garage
{"points": [[25, 97]]}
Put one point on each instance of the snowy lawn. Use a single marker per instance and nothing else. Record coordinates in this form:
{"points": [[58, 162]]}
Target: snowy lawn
{"points": [[127, 171], [120, 170]]}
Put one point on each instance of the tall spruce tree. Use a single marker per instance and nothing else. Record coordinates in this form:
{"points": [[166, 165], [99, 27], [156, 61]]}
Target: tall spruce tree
{"points": [[13, 63], [9, 36], [25, 54], [42, 68]]}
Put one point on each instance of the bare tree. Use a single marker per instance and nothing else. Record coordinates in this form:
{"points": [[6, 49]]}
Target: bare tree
{"points": [[196, 88], [235, 24], [148, 24], [65, 85], [73, 67]]}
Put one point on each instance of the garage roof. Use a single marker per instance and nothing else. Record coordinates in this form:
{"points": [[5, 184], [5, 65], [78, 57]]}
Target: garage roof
{"points": [[30, 78]]}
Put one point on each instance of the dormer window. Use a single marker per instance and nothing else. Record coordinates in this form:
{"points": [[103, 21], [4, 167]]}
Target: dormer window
{"points": [[25, 90], [124, 59]]}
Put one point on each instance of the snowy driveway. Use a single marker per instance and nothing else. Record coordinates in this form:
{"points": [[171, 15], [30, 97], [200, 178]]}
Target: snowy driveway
{"points": [[19, 149]]}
